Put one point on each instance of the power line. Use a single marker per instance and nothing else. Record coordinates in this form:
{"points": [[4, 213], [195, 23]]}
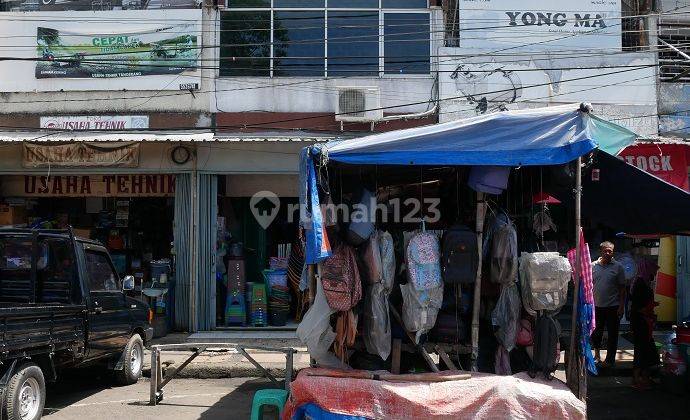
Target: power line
{"points": [[321, 115]]}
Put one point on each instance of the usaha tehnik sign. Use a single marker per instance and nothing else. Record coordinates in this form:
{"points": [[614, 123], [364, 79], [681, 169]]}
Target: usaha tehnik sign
{"points": [[120, 185], [537, 25], [80, 155]]}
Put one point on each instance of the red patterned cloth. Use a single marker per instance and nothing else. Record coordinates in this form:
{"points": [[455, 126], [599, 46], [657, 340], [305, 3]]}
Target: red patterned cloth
{"points": [[484, 396], [585, 272]]}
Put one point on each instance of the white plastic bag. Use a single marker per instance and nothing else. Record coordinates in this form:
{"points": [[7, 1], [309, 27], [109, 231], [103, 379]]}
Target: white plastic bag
{"points": [[420, 308], [316, 333], [544, 278]]}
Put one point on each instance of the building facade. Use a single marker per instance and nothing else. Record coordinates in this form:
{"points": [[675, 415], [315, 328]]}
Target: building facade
{"points": [[185, 110]]}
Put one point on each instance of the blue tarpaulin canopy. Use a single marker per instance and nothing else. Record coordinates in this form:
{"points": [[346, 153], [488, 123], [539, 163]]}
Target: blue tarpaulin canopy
{"points": [[543, 136]]}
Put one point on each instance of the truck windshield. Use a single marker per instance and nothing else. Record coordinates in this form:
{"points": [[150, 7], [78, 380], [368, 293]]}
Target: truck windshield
{"points": [[55, 270]]}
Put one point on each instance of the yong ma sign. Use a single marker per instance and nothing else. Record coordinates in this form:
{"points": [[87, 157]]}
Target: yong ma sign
{"points": [[537, 25], [76, 155]]}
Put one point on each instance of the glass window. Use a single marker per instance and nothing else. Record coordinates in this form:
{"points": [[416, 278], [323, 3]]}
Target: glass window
{"points": [[353, 4], [404, 4], [298, 44], [353, 43], [245, 44], [299, 3], [406, 43], [102, 276], [249, 4]]}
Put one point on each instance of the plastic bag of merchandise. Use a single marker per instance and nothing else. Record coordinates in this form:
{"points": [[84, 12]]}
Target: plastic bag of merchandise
{"points": [[420, 308], [504, 252], [377, 330], [544, 278], [506, 316], [316, 333], [673, 361], [377, 324]]}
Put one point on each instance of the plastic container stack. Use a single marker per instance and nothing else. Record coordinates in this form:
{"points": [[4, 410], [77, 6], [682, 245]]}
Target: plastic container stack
{"points": [[279, 305], [259, 305], [277, 277], [235, 309]]}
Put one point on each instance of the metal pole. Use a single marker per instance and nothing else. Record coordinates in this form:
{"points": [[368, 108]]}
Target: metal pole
{"points": [[289, 363], [481, 211], [154, 377], [194, 275], [574, 357]]}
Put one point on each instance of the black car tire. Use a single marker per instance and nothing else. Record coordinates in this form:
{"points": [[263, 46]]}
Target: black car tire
{"points": [[47, 2], [133, 362], [26, 393]]}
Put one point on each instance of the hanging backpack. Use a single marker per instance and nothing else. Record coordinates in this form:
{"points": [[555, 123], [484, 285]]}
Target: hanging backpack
{"points": [[504, 255], [545, 355], [544, 278], [460, 255], [340, 279], [423, 261]]}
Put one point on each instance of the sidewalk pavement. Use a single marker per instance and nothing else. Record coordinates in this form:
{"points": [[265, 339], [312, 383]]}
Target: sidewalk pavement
{"points": [[229, 364]]}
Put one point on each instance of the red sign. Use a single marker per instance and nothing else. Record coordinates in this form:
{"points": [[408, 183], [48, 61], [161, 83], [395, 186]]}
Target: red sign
{"points": [[666, 161]]}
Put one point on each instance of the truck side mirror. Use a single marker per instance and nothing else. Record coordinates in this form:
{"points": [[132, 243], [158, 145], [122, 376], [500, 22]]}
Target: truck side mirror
{"points": [[128, 283]]}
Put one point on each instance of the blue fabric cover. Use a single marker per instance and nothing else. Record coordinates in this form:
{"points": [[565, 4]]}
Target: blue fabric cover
{"points": [[489, 179], [543, 136], [312, 411]]}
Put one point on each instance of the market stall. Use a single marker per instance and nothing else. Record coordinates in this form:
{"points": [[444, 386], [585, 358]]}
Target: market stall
{"points": [[461, 239]]}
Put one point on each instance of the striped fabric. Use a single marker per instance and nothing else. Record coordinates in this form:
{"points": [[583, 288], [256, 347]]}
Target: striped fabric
{"points": [[585, 273]]}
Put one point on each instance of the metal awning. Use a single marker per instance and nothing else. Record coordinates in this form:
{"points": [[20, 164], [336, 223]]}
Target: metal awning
{"points": [[156, 136]]}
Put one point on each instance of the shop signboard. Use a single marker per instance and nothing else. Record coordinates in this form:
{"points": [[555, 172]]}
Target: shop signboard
{"points": [[109, 50], [95, 122], [666, 161], [109, 185], [536, 25], [80, 154], [170, 49]]}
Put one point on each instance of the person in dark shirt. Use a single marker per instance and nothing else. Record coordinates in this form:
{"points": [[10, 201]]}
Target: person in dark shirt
{"points": [[642, 319], [609, 301]]}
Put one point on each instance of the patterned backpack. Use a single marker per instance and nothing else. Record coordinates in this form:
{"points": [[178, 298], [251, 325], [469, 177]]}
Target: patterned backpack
{"points": [[340, 279], [424, 261]]}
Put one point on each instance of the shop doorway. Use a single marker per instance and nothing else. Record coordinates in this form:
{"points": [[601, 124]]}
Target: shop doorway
{"points": [[257, 236]]}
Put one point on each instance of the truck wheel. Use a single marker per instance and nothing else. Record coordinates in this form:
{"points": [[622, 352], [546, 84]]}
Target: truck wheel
{"points": [[133, 362], [26, 393]]}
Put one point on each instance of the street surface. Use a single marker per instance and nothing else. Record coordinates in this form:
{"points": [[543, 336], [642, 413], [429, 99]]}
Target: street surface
{"points": [[83, 396]]}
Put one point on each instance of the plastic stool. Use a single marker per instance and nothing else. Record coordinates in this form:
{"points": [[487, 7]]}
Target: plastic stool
{"points": [[276, 397]]}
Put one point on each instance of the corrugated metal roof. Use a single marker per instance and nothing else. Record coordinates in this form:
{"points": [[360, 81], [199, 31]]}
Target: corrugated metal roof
{"points": [[42, 136]]}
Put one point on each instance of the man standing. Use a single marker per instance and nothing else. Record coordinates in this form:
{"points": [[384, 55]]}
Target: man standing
{"points": [[609, 302]]}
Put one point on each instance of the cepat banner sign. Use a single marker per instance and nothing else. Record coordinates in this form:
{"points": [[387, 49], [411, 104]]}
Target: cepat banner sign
{"points": [[171, 49], [536, 25]]}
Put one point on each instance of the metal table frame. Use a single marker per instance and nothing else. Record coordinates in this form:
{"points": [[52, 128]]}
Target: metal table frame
{"points": [[158, 381]]}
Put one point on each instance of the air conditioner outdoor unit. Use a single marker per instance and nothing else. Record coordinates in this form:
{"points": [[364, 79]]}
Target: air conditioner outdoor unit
{"points": [[358, 104]]}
